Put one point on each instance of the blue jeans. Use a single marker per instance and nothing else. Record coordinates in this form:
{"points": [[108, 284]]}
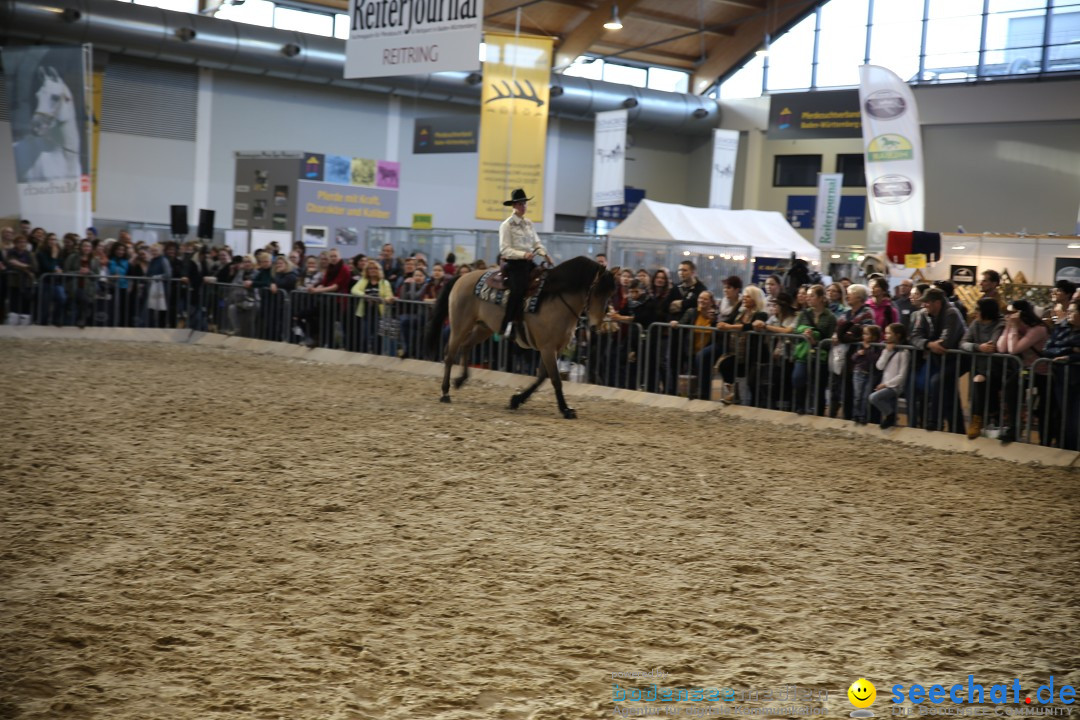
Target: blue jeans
{"points": [[862, 386]]}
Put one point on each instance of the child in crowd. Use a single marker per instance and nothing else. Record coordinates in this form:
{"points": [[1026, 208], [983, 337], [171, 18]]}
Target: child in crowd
{"points": [[893, 365], [863, 362]]}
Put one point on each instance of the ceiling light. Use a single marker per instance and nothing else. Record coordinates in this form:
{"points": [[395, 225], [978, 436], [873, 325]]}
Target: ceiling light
{"points": [[1074, 246], [835, 256], [959, 247], [614, 23], [762, 53], [685, 252]]}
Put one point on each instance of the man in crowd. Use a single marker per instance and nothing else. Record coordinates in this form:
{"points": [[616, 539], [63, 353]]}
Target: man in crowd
{"points": [[938, 330], [687, 291], [337, 279], [902, 301], [1060, 297], [989, 284], [392, 267]]}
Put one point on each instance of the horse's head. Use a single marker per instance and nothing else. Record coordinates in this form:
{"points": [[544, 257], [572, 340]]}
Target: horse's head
{"points": [[603, 286], [54, 102]]}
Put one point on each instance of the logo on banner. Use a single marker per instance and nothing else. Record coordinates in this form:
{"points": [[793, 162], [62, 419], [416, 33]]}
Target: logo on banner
{"points": [[893, 189], [785, 118], [888, 147], [516, 93], [885, 105]]}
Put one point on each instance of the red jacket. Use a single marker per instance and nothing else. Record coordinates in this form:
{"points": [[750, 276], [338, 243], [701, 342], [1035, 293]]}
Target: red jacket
{"points": [[341, 276]]}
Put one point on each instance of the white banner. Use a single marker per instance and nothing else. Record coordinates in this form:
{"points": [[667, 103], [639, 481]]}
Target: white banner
{"points": [[725, 150], [411, 37], [895, 188], [828, 208], [609, 159], [49, 98]]}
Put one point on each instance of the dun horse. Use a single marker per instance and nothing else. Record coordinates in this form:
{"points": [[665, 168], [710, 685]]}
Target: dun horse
{"points": [[575, 286]]}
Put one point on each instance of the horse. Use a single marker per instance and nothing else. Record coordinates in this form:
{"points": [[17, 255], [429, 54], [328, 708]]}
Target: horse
{"points": [[55, 123], [571, 288]]}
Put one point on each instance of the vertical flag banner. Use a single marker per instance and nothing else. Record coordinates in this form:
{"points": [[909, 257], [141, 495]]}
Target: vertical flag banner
{"points": [[725, 150], [513, 123], [895, 187], [828, 208], [412, 37], [609, 158], [49, 97]]}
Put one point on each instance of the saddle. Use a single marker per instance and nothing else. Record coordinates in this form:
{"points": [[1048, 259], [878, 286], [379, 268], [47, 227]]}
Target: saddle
{"points": [[497, 280], [492, 288]]}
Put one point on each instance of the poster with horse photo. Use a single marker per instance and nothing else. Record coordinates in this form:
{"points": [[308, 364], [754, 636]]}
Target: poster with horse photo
{"points": [[48, 89]]}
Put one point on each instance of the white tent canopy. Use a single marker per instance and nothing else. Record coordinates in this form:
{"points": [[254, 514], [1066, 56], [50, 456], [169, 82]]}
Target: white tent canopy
{"points": [[766, 232]]}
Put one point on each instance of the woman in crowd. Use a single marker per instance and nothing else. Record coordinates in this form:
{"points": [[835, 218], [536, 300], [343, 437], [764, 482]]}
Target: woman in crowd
{"points": [[893, 365], [1025, 335], [781, 320], [981, 337], [82, 290], [774, 285], [356, 265], [643, 275], [275, 306], [244, 299], [50, 266], [849, 327], [450, 266], [119, 266], [814, 324], [881, 304], [137, 269], [373, 289], [835, 295], [436, 284], [745, 351], [696, 344], [411, 313], [640, 312], [1063, 348], [802, 298]]}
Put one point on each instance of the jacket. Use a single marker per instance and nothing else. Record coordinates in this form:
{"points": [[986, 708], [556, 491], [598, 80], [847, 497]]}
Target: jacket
{"points": [[976, 334], [360, 290], [87, 283], [949, 327], [893, 365]]}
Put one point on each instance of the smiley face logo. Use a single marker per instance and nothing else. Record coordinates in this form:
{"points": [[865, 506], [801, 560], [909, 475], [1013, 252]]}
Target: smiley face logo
{"points": [[862, 694]]}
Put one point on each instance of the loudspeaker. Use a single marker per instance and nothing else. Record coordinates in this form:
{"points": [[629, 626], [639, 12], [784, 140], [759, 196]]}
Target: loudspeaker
{"points": [[178, 219], [206, 224]]}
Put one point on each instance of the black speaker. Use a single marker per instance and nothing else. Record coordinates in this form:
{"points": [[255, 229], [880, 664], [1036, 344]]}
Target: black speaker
{"points": [[206, 224], [178, 219]]}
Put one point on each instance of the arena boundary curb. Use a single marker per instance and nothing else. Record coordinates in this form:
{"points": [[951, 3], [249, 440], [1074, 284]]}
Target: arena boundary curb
{"points": [[952, 442]]}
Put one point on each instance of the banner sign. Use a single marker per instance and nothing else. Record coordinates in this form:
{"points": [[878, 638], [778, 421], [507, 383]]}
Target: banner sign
{"points": [[891, 136], [1067, 269], [828, 208], [725, 151], [852, 212], [829, 114], [49, 93], [412, 37], [962, 274], [634, 196], [609, 158], [918, 261], [451, 134], [339, 215], [513, 123], [800, 211], [766, 266]]}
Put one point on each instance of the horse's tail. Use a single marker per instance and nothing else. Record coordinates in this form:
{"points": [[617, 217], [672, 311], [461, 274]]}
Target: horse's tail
{"points": [[433, 332]]}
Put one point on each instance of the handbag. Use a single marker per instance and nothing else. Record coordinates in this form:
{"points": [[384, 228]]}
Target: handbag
{"points": [[838, 358], [389, 327]]}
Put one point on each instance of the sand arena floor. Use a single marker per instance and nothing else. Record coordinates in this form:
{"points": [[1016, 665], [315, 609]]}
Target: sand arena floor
{"points": [[196, 533]]}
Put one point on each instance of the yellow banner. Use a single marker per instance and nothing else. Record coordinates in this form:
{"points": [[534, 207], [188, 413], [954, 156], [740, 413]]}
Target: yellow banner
{"points": [[915, 261], [513, 123]]}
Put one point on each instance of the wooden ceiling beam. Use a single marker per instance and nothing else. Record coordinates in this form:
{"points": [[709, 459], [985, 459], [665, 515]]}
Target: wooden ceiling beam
{"points": [[744, 4], [589, 30], [748, 36], [627, 53], [675, 22]]}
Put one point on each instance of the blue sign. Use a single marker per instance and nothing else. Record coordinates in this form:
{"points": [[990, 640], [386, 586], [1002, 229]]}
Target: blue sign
{"points": [[852, 213], [801, 210], [633, 197], [766, 266]]}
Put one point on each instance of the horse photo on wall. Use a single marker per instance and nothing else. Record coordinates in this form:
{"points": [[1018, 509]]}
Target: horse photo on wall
{"points": [[47, 100]]}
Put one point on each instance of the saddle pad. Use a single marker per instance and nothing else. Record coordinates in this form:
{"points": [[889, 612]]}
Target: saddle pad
{"points": [[500, 297]]}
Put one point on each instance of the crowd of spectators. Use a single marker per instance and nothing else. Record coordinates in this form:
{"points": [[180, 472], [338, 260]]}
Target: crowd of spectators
{"points": [[851, 350]]}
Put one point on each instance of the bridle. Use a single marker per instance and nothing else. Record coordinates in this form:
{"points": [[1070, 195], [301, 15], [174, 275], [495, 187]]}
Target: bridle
{"points": [[582, 316]]}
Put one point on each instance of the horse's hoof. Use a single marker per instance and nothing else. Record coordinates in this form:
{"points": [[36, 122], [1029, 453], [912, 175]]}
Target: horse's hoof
{"points": [[445, 399], [569, 413], [458, 382], [515, 401]]}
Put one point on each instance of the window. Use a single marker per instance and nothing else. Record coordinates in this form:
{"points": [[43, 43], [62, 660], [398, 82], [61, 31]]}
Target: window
{"points": [[586, 67], [341, 27], [253, 12], [303, 21], [668, 80], [853, 168], [796, 170], [625, 75], [791, 57], [188, 6]]}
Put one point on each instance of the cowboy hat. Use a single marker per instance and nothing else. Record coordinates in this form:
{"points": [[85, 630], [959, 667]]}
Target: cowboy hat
{"points": [[516, 197]]}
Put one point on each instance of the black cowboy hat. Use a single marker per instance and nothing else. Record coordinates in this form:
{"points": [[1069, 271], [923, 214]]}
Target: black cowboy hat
{"points": [[516, 197]]}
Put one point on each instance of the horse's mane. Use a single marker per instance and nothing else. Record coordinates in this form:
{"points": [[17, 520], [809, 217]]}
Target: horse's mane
{"points": [[576, 275]]}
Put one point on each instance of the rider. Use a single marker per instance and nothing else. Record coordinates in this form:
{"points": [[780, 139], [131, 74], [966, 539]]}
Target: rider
{"points": [[518, 245]]}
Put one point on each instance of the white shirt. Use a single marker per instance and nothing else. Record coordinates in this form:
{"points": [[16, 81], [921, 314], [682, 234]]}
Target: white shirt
{"points": [[895, 372], [517, 237]]}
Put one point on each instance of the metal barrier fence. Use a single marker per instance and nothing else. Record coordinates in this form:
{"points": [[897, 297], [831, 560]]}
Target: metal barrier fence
{"points": [[985, 393]]}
